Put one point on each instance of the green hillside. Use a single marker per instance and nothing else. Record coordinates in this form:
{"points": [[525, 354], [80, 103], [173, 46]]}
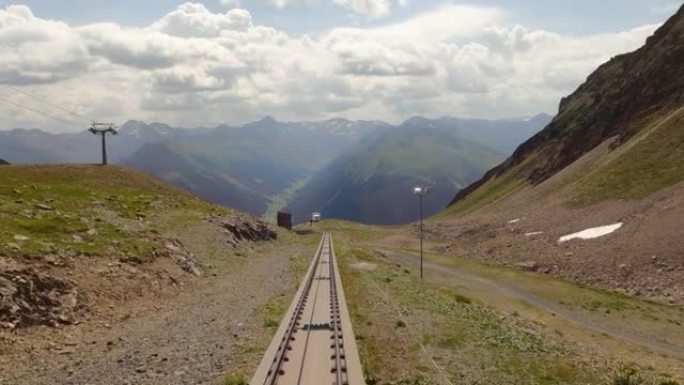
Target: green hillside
{"points": [[255, 167], [87, 210], [373, 182], [650, 161]]}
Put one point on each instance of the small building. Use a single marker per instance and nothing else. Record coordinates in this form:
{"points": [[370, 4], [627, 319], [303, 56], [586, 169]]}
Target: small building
{"points": [[284, 220], [315, 217]]}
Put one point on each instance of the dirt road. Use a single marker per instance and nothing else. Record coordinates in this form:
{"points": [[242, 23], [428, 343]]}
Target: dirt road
{"points": [[484, 288]]}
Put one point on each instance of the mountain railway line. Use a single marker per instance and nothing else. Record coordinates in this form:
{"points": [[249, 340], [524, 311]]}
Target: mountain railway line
{"points": [[314, 344]]}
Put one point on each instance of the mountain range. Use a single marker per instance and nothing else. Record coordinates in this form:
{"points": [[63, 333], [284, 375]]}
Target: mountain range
{"points": [[250, 166], [373, 182], [344, 168]]}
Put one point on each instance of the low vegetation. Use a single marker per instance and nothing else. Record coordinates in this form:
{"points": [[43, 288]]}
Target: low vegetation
{"points": [[404, 328], [280, 200], [647, 163], [632, 374], [273, 313], [85, 210], [490, 192], [236, 378]]}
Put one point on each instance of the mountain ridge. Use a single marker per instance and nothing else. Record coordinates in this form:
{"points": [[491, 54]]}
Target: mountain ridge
{"points": [[615, 100], [251, 166], [372, 182]]}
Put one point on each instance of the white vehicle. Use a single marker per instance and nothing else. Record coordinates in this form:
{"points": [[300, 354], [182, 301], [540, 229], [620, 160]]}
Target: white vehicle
{"points": [[315, 217]]}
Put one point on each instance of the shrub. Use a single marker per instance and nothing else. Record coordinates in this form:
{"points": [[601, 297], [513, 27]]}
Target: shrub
{"points": [[666, 379], [626, 375], [235, 379]]}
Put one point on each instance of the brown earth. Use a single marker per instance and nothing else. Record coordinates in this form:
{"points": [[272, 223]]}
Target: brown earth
{"points": [[643, 258], [179, 318], [62, 288]]}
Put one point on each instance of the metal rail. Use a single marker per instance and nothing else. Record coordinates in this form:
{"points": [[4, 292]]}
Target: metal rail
{"points": [[340, 368], [281, 357], [310, 347]]}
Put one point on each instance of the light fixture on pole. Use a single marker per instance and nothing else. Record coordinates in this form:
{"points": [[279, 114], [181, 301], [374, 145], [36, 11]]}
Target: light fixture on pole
{"points": [[102, 129], [421, 192]]}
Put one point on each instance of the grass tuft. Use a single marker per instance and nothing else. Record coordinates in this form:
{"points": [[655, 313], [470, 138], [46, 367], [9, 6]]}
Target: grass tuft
{"points": [[626, 374], [235, 379]]}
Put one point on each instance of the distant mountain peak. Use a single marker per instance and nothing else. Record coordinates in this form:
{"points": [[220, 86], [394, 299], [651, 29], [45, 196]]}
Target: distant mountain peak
{"points": [[338, 120], [133, 122], [415, 120], [267, 119]]}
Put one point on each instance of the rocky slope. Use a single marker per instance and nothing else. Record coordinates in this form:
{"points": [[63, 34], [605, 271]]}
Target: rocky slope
{"points": [[618, 100], [73, 238], [611, 156]]}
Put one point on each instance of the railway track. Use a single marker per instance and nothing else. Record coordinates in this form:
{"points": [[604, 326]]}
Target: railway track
{"points": [[314, 344]]}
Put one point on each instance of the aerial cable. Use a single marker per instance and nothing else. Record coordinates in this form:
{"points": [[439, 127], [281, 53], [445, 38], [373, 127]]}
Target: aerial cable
{"points": [[47, 102], [41, 112]]}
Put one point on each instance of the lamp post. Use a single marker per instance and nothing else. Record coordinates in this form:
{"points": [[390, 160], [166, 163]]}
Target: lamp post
{"points": [[421, 192]]}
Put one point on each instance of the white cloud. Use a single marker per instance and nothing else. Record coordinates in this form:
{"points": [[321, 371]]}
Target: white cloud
{"points": [[372, 8], [194, 67], [38, 51], [275, 3], [195, 20]]}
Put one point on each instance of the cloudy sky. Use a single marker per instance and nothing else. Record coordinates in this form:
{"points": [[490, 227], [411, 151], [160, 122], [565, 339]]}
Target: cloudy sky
{"points": [[232, 61]]}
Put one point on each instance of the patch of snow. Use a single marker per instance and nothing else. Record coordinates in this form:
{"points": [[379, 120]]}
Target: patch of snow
{"points": [[591, 233], [516, 220], [533, 233]]}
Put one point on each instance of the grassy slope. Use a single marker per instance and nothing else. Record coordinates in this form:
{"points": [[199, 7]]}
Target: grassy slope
{"points": [[492, 191], [647, 163], [90, 210], [478, 336], [394, 314], [423, 154], [280, 200], [373, 182]]}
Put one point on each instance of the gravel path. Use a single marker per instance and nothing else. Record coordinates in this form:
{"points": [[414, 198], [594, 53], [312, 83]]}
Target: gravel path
{"points": [[184, 340]]}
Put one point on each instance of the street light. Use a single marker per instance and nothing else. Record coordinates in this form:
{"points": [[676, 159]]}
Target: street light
{"points": [[421, 192]]}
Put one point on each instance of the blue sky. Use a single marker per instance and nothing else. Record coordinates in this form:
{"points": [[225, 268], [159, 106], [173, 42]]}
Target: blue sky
{"points": [[216, 62]]}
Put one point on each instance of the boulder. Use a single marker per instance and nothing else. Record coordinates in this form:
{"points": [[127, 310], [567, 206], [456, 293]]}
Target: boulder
{"points": [[251, 231], [528, 265]]}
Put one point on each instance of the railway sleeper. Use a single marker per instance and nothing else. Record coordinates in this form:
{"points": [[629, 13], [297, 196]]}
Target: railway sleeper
{"points": [[317, 326]]}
